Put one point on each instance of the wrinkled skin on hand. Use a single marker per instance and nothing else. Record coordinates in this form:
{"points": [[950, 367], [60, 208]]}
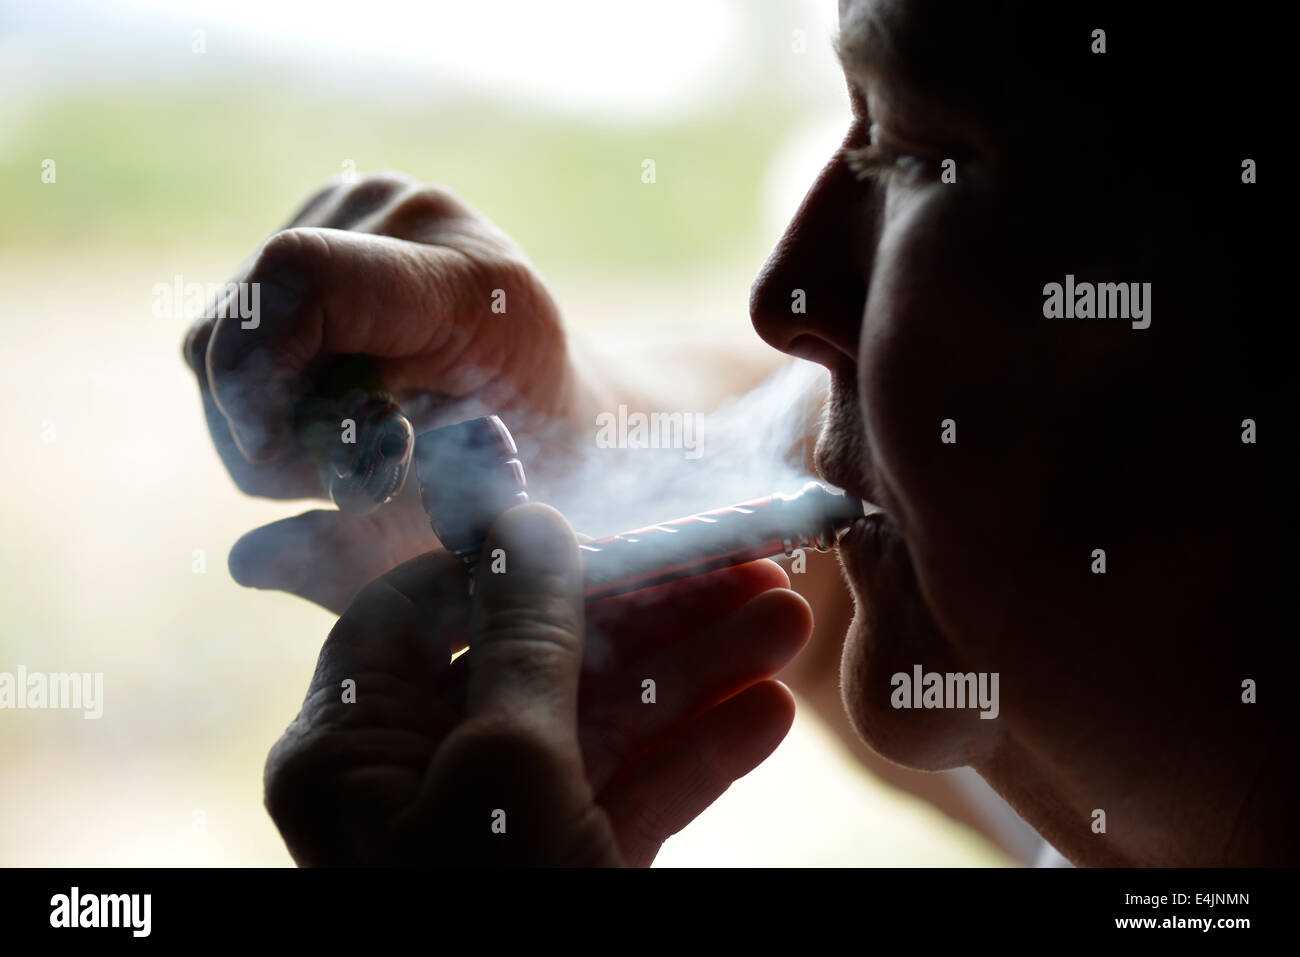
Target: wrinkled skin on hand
{"points": [[406, 274], [544, 718]]}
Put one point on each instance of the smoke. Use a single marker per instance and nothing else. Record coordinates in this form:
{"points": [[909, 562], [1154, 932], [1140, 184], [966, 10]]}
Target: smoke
{"points": [[751, 446]]}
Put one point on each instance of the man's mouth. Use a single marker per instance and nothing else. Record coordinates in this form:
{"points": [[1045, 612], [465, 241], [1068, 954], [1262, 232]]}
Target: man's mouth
{"points": [[832, 461], [864, 545], [873, 538]]}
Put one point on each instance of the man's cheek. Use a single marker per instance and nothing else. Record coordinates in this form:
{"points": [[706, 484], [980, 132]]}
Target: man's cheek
{"points": [[951, 406], [917, 406], [948, 366]]}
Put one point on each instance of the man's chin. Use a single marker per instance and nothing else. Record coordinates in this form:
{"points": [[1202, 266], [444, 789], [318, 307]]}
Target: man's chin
{"points": [[892, 632]]}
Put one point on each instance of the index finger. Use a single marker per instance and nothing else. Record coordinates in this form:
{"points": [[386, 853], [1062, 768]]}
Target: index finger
{"points": [[328, 292]]}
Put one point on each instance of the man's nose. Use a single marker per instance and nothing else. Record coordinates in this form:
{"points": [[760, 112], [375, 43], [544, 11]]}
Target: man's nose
{"points": [[808, 298]]}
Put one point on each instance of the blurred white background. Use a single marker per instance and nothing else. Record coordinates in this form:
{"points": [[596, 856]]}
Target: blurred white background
{"points": [[175, 160]]}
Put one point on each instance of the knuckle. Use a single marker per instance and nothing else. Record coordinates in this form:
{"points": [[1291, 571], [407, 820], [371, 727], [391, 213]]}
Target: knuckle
{"points": [[513, 743], [510, 272], [528, 297], [370, 193], [535, 663], [298, 251], [317, 200], [384, 181], [426, 204], [552, 622]]}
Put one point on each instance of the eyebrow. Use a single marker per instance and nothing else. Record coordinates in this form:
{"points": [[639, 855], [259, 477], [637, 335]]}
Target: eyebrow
{"points": [[872, 43], [864, 45]]}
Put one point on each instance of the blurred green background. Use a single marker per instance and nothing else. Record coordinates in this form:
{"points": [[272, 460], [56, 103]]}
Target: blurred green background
{"points": [[118, 516], [241, 156]]}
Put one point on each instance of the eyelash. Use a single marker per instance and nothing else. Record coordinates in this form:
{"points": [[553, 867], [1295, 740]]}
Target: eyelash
{"points": [[879, 163], [873, 162]]}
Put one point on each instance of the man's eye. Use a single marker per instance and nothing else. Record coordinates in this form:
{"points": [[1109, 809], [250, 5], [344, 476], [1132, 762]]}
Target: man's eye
{"points": [[876, 162], [881, 160]]}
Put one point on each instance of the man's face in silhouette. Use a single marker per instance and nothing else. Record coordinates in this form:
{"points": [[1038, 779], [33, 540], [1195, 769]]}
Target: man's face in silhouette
{"points": [[974, 421]]}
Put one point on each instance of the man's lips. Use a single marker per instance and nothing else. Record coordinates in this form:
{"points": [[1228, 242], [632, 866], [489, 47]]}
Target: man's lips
{"points": [[862, 548], [848, 482], [837, 459], [875, 555]]}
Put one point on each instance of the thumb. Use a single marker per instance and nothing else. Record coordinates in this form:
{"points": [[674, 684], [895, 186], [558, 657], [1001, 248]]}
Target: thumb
{"points": [[526, 629]]}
